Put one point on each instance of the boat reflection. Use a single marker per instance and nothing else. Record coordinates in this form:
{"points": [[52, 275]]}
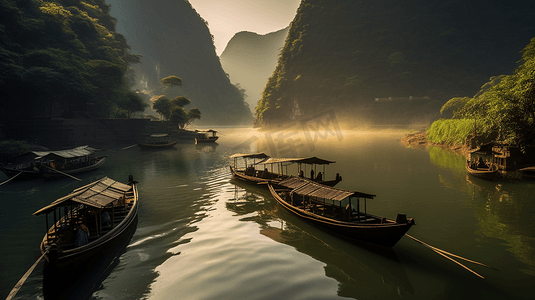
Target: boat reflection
{"points": [[85, 279], [354, 266]]}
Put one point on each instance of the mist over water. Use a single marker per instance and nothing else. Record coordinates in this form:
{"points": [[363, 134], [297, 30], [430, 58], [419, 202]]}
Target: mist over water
{"points": [[202, 235]]}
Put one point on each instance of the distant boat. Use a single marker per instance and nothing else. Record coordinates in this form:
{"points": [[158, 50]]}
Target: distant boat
{"points": [[338, 211], [482, 170], [54, 164], [157, 141], [86, 220], [528, 172], [208, 136], [250, 174]]}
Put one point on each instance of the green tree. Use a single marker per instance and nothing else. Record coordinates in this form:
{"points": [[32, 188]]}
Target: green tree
{"points": [[178, 116], [163, 107], [180, 101], [131, 103], [193, 114], [170, 81]]}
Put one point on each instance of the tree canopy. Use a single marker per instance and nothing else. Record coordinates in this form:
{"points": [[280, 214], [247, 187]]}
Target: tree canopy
{"points": [[505, 106], [58, 57]]}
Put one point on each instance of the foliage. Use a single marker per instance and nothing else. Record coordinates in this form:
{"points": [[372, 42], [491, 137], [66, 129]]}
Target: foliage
{"points": [[171, 81], [162, 106], [57, 57], [448, 131], [179, 116], [131, 102], [505, 105], [10, 149], [180, 101], [344, 54]]}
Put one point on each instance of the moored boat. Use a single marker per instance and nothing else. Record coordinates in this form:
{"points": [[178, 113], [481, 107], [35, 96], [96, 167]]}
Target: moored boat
{"points": [[251, 174], [208, 136], [55, 164], [87, 220], [338, 211], [482, 170], [157, 141]]}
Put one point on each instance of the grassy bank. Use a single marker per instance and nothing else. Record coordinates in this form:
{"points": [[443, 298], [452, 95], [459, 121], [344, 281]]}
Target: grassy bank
{"points": [[450, 131]]}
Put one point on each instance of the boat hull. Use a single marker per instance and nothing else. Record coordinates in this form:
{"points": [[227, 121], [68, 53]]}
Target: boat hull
{"points": [[70, 259], [49, 174], [208, 140], [482, 173], [387, 234], [157, 146], [26, 174]]}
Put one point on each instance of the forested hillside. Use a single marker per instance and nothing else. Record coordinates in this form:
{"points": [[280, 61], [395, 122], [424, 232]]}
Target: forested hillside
{"points": [[251, 58], [174, 40], [392, 61], [62, 58]]}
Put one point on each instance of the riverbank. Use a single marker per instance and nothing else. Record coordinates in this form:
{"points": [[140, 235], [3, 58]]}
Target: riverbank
{"points": [[419, 140]]}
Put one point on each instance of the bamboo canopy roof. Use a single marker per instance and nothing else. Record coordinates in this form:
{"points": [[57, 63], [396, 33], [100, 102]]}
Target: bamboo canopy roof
{"points": [[70, 153], [97, 194], [309, 161], [307, 187], [251, 155]]}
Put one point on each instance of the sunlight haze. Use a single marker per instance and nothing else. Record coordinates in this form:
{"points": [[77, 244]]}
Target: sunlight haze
{"points": [[227, 17]]}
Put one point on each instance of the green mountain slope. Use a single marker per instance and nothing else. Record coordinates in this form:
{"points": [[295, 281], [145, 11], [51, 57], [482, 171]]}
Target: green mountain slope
{"points": [[61, 58], [392, 61], [174, 40], [250, 59]]}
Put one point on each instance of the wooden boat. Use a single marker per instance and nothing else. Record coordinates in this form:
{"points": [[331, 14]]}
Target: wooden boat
{"points": [[88, 219], [250, 174], [205, 137], [338, 211], [528, 172], [54, 164], [481, 170], [93, 164], [157, 141]]}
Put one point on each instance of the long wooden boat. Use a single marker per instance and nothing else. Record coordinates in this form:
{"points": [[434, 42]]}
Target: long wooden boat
{"points": [[157, 141], [87, 220], [339, 212], [97, 162], [154, 146], [22, 172], [205, 137], [50, 164], [250, 174], [528, 172], [480, 170]]}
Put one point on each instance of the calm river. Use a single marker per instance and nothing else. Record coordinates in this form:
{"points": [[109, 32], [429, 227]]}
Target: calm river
{"points": [[201, 235]]}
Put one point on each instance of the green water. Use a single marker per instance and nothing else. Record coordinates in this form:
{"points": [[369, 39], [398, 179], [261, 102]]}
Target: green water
{"points": [[201, 235]]}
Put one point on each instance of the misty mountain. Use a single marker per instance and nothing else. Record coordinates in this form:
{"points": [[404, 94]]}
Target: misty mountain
{"points": [[250, 59], [392, 61], [174, 40]]}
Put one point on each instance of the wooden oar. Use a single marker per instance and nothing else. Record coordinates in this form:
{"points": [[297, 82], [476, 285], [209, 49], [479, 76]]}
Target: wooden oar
{"points": [[19, 284], [450, 254], [445, 254], [11, 178], [62, 173], [129, 147], [453, 260]]}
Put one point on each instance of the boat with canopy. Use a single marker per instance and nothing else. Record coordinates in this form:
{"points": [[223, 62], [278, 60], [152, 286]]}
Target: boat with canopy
{"points": [[55, 164], [86, 220], [157, 141], [338, 211], [278, 168]]}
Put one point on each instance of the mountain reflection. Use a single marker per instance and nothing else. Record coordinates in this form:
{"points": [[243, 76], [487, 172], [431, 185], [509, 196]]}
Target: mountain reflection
{"points": [[361, 271]]}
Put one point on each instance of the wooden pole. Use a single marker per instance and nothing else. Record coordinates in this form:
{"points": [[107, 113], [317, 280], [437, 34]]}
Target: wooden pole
{"points": [[62, 173], [19, 284], [129, 147], [11, 178]]}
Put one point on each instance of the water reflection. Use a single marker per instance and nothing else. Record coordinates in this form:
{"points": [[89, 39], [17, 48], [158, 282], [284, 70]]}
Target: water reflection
{"points": [[502, 209], [361, 271]]}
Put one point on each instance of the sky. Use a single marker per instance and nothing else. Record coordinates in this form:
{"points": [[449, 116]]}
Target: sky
{"points": [[228, 17]]}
